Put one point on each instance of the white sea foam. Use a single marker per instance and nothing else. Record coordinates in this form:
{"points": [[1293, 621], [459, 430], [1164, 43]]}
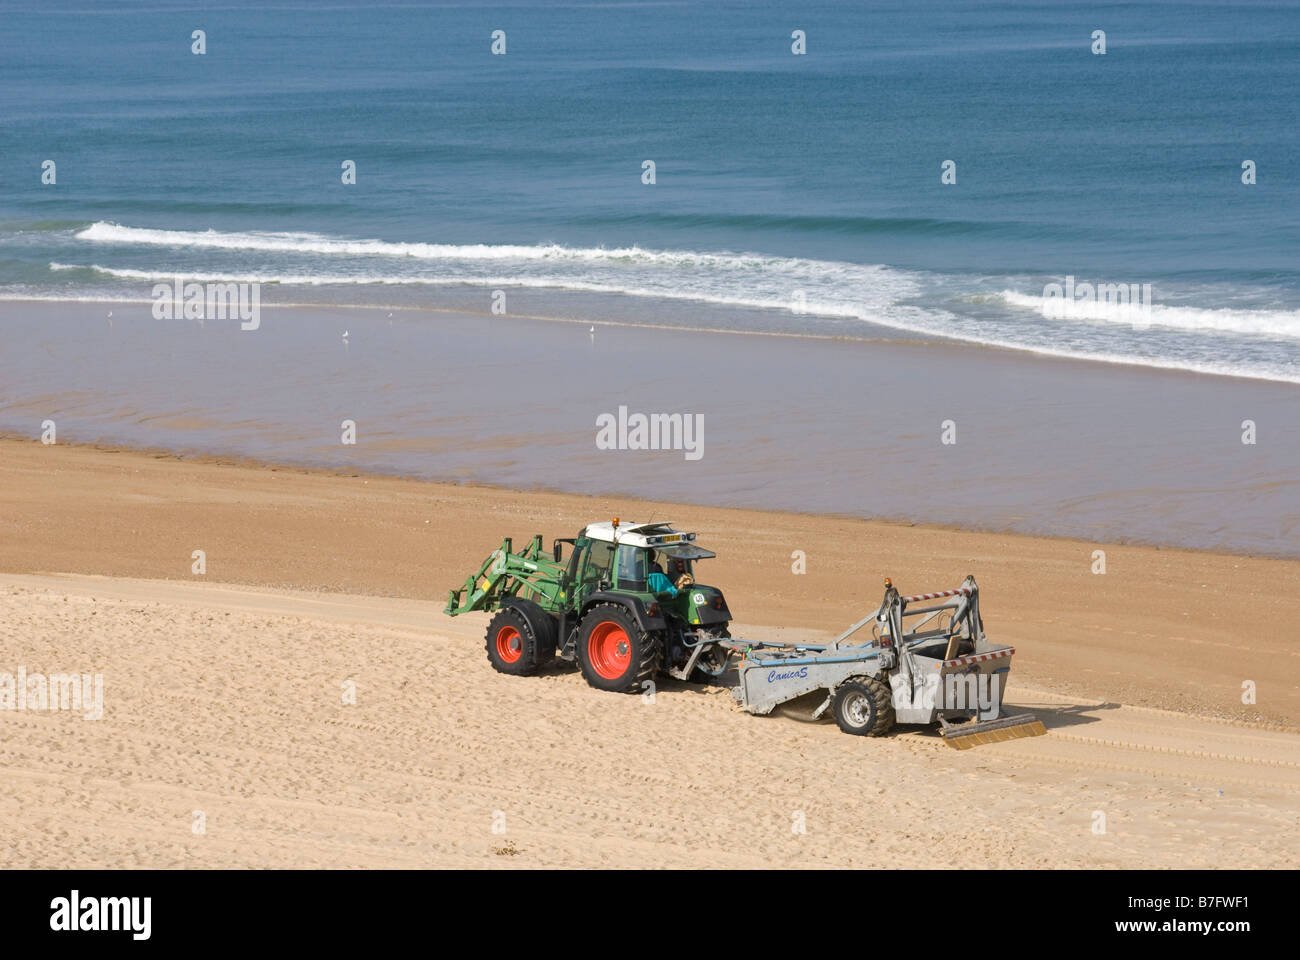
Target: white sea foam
{"points": [[1197, 338], [761, 293], [112, 233], [1268, 323]]}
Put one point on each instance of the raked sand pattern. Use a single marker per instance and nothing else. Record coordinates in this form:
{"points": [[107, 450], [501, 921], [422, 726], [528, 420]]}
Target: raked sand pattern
{"points": [[227, 701]]}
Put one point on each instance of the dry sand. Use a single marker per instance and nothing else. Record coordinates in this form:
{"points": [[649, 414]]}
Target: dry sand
{"points": [[223, 693]]}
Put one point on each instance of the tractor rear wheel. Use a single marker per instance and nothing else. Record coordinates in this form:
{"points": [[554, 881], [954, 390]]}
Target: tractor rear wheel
{"points": [[513, 645], [614, 652], [863, 707]]}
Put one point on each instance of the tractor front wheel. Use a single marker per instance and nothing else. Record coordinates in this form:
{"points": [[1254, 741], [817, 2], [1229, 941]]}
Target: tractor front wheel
{"points": [[862, 706], [513, 646], [614, 652]]}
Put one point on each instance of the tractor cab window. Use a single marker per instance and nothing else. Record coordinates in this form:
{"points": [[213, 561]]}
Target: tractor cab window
{"points": [[632, 568], [599, 563], [680, 559]]}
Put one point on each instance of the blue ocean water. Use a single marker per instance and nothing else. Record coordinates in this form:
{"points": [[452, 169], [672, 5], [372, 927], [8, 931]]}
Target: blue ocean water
{"points": [[793, 192]]}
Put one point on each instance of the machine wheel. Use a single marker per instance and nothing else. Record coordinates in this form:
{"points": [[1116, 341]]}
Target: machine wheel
{"points": [[513, 645], [862, 706], [712, 663], [614, 652]]}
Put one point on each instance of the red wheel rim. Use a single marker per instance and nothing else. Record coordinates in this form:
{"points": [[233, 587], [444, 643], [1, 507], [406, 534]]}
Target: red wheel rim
{"points": [[510, 647], [609, 650]]}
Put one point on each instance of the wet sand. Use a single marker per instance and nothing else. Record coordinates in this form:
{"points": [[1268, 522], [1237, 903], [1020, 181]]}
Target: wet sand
{"points": [[856, 428]]}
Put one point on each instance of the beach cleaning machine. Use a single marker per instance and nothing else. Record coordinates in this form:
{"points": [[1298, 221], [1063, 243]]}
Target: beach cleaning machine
{"points": [[626, 606], [902, 673]]}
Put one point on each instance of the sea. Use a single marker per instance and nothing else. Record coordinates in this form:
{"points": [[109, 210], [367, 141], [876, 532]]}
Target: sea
{"points": [[928, 171], [809, 186]]}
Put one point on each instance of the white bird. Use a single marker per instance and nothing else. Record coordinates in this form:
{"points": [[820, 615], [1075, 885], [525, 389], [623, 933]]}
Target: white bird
{"points": [[592, 331], [345, 336]]}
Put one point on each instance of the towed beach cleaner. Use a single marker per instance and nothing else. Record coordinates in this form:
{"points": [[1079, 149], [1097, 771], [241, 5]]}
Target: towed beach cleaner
{"points": [[626, 606]]}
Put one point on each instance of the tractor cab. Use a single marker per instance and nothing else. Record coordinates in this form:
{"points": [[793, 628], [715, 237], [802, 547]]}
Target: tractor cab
{"points": [[625, 558], [678, 561], [653, 568]]}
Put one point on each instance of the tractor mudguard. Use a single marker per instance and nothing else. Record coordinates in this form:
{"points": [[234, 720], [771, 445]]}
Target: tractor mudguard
{"points": [[634, 604], [532, 611], [545, 627]]}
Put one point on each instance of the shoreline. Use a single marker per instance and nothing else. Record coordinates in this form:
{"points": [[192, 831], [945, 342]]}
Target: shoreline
{"points": [[905, 337], [848, 428], [1168, 629]]}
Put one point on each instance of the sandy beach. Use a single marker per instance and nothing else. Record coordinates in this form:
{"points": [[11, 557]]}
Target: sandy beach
{"points": [[223, 693]]}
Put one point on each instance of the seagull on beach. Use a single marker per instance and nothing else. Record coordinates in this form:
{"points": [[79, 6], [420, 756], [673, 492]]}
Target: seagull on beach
{"points": [[345, 336]]}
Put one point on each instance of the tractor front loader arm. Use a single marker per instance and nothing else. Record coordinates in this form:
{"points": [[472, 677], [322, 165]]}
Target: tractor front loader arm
{"points": [[478, 588], [503, 574]]}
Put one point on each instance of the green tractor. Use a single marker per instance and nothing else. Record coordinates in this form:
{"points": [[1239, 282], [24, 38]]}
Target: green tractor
{"points": [[625, 605]]}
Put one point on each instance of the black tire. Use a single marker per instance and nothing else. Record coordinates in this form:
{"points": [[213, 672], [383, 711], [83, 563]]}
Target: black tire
{"points": [[862, 706], [548, 634], [614, 653], [545, 628], [513, 645]]}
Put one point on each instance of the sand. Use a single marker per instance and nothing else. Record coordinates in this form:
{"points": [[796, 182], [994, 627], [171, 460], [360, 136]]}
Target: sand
{"points": [[224, 693]]}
